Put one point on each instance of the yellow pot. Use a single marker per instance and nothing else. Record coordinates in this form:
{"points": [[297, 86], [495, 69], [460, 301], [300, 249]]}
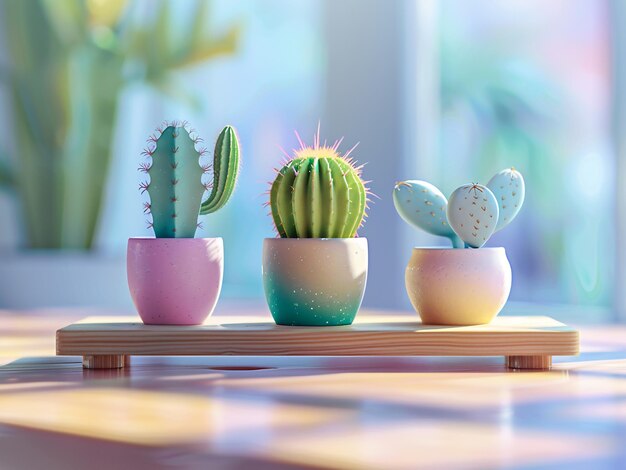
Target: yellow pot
{"points": [[458, 286]]}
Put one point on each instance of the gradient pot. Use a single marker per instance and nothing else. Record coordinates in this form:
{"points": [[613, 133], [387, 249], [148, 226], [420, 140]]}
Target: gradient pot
{"points": [[458, 286], [314, 281], [175, 281]]}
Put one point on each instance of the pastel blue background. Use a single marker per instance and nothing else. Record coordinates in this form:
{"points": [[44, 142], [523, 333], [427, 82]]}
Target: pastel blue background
{"points": [[449, 91]]}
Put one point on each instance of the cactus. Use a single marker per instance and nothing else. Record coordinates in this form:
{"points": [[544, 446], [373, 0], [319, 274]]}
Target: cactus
{"points": [[176, 181], [509, 189], [473, 214], [422, 205], [318, 194], [225, 170]]}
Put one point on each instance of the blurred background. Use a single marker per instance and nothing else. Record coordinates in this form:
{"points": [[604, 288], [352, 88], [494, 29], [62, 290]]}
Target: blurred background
{"points": [[448, 91]]}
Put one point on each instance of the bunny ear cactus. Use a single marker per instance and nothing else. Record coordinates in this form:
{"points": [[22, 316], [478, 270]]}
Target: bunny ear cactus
{"points": [[472, 214], [176, 181], [422, 205], [509, 189], [318, 193]]}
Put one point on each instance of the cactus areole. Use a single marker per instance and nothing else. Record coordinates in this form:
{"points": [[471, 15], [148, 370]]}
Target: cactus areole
{"points": [[318, 193], [177, 181]]}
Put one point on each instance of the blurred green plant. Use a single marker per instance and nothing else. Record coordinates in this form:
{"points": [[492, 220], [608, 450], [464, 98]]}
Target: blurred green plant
{"points": [[68, 62]]}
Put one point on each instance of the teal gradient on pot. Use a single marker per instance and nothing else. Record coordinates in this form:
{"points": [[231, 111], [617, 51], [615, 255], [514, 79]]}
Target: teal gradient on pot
{"points": [[315, 281]]}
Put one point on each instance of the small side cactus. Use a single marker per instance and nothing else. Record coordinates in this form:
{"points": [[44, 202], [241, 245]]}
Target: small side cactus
{"points": [[471, 215], [176, 182], [225, 171], [318, 193]]}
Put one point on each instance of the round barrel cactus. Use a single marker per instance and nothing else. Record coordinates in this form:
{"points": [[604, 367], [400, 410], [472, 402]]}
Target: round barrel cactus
{"points": [[318, 193]]}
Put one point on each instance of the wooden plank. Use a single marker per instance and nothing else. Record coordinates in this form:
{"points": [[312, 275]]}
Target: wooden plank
{"points": [[372, 413], [380, 335]]}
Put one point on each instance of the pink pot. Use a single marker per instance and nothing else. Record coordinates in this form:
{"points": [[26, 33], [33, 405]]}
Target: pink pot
{"points": [[175, 281], [458, 286]]}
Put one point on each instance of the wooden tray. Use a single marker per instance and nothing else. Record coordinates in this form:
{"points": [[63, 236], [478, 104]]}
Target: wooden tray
{"points": [[526, 342]]}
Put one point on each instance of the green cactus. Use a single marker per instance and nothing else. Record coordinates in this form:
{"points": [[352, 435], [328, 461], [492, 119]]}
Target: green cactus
{"points": [[318, 194], [225, 169], [176, 185]]}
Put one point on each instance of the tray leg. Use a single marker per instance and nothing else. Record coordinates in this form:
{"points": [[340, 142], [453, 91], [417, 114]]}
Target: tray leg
{"points": [[529, 362], [105, 361]]}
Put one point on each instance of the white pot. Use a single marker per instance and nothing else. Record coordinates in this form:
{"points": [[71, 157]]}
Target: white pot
{"points": [[458, 286]]}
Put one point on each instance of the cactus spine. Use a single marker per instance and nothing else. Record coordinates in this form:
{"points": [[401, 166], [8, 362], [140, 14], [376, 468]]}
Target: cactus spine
{"points": [[318, 194], [176, 181]]}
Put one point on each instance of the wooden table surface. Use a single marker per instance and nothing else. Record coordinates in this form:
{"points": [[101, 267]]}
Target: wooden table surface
{"points": [[295, 412]]}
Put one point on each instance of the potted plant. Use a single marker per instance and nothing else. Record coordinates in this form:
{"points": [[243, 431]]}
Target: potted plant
{"points": [[460, 286], [174, 278], [69, 73], [314, 273]]}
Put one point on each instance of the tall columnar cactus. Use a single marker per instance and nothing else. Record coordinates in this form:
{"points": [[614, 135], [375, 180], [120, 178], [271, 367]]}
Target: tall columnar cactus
{"points": [[176, 182], [318, 194], [471, 215]]}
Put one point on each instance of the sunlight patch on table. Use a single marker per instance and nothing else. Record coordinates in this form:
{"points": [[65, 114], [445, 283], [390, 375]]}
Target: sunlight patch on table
{"points": [[154, 418]]}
